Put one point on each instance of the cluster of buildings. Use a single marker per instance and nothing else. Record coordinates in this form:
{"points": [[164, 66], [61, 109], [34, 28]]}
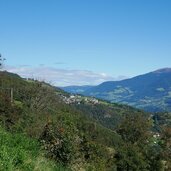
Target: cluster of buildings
{"points": [[77, 99]]}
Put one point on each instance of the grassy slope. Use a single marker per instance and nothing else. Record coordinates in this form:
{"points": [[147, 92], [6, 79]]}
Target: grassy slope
{"points": [[18, 152]]}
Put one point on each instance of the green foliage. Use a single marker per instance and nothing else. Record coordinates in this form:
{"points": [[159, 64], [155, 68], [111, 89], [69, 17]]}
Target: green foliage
{"points": [[15, 152], [130, 157], [95, 137], [18, 152], [139, 150], [58, 144], [166, 146], [109, 115], [135, 128], [95, 154]]}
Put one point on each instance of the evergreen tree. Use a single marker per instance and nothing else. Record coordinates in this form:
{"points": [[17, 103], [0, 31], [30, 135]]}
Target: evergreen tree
{"points": [[1, 62]]}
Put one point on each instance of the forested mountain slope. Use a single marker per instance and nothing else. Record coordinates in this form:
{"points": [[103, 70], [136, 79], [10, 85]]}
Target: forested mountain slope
{"points": [[77, 132]]}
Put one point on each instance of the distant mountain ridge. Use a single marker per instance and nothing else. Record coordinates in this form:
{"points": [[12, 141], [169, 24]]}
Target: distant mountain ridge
{"points": [[163, 70], [151, 91], [76, 89]]}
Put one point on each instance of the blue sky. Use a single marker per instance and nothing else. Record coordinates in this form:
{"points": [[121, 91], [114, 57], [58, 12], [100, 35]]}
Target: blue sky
{"points": [[85, 41]]}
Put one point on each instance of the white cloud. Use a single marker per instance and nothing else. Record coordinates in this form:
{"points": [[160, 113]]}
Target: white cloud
{"points": [[61, 77]]}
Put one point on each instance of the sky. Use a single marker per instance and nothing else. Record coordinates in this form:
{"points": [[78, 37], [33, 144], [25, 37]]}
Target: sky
{"points": [[85, 42]]}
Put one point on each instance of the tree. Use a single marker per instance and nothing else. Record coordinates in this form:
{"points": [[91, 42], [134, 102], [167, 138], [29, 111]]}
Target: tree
{"points": [[138, 151], [135, 128], [166, 146], [130, 158], [1, 62]]}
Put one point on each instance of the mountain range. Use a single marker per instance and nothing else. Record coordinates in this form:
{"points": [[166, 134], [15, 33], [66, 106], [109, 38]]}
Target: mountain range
{"points": [[150, 92]]}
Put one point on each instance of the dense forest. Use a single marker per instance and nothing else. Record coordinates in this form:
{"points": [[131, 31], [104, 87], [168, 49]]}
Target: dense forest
{"points": [[40, 132]]}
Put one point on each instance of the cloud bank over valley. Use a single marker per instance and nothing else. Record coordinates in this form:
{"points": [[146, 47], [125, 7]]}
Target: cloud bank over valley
{"points": [[62, 77]]}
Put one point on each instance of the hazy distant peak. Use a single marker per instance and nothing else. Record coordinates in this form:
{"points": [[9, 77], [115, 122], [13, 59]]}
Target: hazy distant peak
{"points": [[163, 70]]}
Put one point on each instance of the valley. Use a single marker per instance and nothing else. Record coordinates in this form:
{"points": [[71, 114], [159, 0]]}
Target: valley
{"points": [[150, 92]]}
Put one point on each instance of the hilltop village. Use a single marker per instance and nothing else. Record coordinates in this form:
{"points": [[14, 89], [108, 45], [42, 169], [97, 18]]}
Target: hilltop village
{"points": [[77, 99]]}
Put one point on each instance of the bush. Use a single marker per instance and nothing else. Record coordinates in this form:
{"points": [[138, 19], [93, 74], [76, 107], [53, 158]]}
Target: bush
{"points": [[58, 144]]}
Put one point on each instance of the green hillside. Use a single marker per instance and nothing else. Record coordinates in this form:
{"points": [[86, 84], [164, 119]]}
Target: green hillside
{"points": [[18, 152], [44, 128]]}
